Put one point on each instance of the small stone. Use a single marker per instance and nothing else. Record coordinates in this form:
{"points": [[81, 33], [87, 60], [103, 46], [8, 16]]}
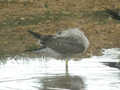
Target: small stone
{"points": [[22, 18]]}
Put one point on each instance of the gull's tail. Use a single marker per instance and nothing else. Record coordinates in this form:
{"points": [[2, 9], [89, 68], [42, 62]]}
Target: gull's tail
{"points": [[39, 36], [43, 39], [36, 35]]}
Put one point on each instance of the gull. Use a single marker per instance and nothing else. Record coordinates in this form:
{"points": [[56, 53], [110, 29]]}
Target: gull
{"points": [[63, 44]]}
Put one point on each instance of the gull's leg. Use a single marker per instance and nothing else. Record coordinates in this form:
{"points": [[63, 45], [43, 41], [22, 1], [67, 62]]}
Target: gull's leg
{"points": [[66, 65]]}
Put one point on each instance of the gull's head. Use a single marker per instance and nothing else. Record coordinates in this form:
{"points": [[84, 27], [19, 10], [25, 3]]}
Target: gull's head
{"points": [[76, 34], [70, 32]]}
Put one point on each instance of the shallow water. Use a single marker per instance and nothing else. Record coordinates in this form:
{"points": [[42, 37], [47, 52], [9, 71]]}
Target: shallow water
{"points": [[51, 74]]}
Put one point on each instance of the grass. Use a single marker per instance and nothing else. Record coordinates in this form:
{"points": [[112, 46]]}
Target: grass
{"points": [[47, 17], [32, 47], [14, 21]]}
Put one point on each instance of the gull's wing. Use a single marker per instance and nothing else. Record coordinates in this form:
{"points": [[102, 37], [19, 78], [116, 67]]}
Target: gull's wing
{"points": [[47, 52], [65, 45]]}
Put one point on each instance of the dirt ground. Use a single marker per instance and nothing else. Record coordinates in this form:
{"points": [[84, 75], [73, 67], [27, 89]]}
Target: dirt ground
{"points": [[49, 16]]}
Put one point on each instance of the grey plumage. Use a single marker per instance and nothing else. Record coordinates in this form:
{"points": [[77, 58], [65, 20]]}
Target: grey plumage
{"points": [[64, 43], [77, 83]]}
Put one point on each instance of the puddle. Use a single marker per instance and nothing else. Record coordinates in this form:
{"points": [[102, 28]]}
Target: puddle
{"points": [[51, 74]]}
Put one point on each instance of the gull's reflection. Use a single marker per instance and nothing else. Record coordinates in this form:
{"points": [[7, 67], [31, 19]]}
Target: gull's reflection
{"points": [[77, 83], [62, 83]]}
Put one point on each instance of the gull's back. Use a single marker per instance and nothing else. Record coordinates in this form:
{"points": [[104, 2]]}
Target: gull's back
{"points": [[64, 43], [68, 42]]}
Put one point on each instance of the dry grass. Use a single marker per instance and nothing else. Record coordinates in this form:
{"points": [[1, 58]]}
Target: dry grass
{"points": [[49, 16]]}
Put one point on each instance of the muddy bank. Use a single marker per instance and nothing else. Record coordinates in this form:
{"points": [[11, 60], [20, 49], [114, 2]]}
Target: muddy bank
{"points": [[47, 17]]}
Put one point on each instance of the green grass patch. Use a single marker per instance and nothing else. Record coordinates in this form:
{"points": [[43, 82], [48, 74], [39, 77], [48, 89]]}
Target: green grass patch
{"points": [[32, 47], [14, 21], [101, 17]]}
